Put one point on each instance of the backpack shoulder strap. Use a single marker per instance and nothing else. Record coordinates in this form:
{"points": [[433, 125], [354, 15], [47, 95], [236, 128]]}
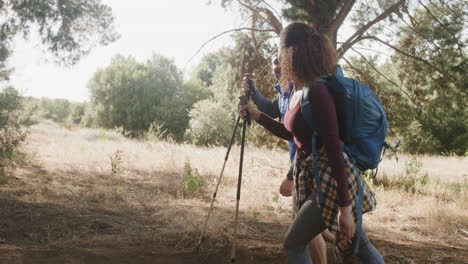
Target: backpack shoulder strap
{"points": [[306, 109]]}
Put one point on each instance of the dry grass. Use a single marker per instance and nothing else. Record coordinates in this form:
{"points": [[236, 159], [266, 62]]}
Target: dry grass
{"points": [[419, 214]]}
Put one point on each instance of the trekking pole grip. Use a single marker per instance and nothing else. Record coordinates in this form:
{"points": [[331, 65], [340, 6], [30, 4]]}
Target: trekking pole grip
{"points": [[244, 99]]}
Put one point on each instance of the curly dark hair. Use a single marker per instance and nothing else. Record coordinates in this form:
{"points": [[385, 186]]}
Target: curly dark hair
{"points": [[305, 55]]}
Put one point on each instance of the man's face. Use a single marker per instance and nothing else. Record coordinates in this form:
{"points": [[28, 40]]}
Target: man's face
{"points": [[275, 66]]}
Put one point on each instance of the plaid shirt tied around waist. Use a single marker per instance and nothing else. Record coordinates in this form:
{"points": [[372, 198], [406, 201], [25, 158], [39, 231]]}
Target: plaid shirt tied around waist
{"points": [[305, 185]]}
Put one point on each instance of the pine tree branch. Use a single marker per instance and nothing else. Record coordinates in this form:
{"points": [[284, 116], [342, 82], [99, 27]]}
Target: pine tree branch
{"points": [[446, 75], [413, 26], [344, 11], [462, 54], [383, 75], [345, 47], [225, 32], [451, 10], [357, 70]]}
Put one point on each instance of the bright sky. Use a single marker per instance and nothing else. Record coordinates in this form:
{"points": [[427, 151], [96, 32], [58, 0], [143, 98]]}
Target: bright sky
{"points": [[172, 28]]}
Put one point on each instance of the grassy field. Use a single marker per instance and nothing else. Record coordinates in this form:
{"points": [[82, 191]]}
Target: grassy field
{"points": [[93, 196]]}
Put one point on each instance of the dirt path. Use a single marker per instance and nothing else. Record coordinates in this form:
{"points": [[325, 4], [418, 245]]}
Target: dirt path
{"points": [[66, 207], [86, 232]]}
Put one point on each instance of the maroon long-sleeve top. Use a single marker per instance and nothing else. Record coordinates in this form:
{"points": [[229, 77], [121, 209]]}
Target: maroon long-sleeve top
{"points": [[295, 127]]}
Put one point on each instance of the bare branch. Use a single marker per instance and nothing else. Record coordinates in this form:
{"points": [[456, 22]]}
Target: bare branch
{"points": [[342, 50], [378, 51], [252, 33], [228, 31], [272, 21], [344, 11], [274, 10], [356, 40], [270, 18]]}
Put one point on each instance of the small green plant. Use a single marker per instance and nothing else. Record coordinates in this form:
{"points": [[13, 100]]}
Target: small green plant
{"points": [[255, 215], [117, 169], [191, 179], [3, 176], [71, 191], [275, 198], [121, 130], [155, 132], [414, 165], [194, 141], [102, 135]]}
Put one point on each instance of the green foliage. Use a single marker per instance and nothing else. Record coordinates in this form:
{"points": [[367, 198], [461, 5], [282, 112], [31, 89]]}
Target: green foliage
{"points": [[90, 117], [77, 112], [423, 87], [133, 95], [447, 124], [438, 81], [191, 181], [13, 121], [55, 109], [117, 168], [205, 70], [210, 123], [416, 139], [67, 28]]}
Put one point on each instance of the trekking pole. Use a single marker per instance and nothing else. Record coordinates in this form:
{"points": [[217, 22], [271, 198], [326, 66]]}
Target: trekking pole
{"points": [[239, 181], [244, 100], [219, 180]]}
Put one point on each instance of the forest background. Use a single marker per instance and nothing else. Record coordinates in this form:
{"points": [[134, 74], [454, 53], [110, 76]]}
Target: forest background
{"points": [[411, 53]]}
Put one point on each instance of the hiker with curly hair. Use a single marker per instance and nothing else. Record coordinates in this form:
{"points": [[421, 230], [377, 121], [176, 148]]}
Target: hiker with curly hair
{"points": [[305, 56], [276, 109]]}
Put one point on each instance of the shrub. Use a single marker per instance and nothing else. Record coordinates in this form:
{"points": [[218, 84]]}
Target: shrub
{"points": [[13, 121], [211, 123]]}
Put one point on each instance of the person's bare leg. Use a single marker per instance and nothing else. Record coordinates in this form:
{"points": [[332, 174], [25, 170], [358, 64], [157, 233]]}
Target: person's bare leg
{"points": [[318, 250]]}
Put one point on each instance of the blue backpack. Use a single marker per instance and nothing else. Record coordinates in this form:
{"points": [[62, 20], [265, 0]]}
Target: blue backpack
{"points": [[362, 123], [362, 126]]}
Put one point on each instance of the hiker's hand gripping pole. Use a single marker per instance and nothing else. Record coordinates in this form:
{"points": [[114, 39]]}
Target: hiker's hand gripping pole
{"points": [[244, 100], [246, 110]]}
